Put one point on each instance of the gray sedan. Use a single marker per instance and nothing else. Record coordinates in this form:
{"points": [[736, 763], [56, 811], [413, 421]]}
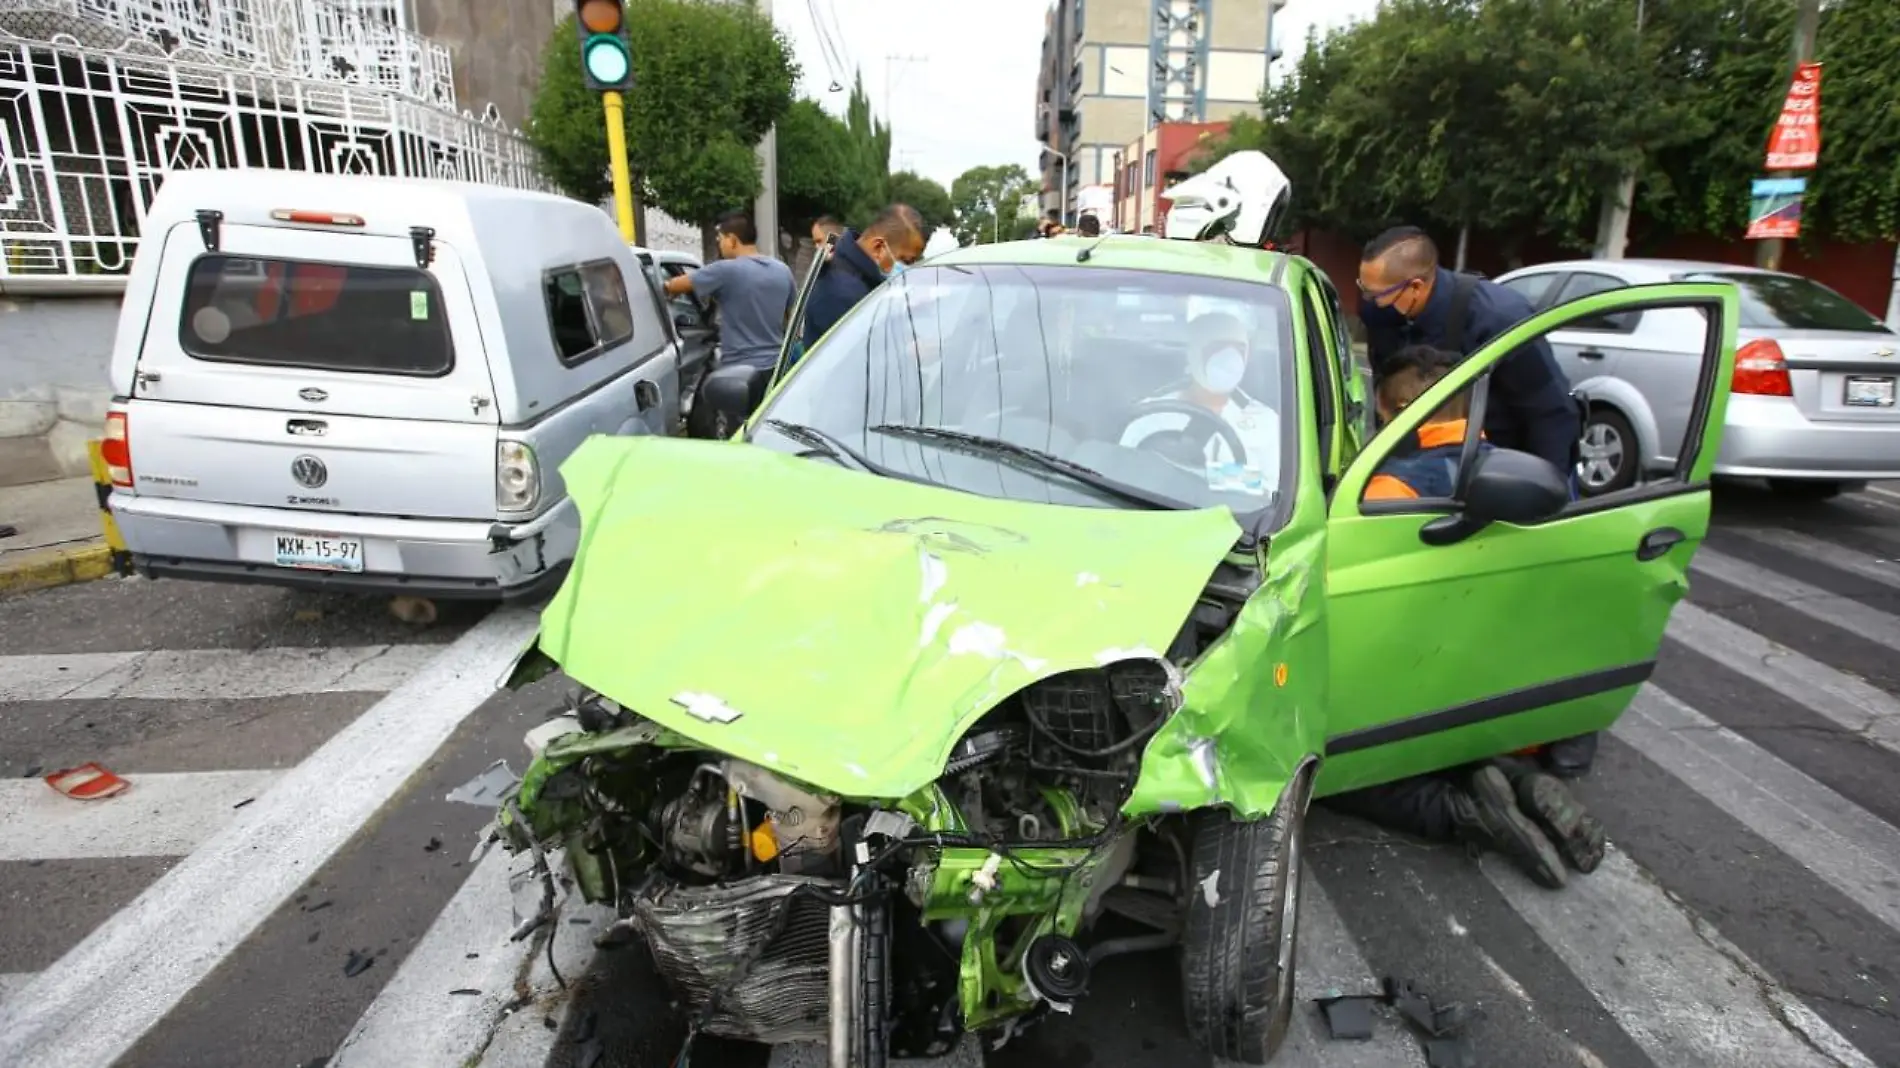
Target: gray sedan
{"points": [[1812, 407]]}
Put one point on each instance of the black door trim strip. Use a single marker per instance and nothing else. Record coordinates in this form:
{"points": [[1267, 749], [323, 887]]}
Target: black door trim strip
{"points": [[1497, 706]]}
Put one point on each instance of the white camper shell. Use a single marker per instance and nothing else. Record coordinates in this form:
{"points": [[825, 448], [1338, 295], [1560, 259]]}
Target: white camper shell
{"points": [[370, 383]]}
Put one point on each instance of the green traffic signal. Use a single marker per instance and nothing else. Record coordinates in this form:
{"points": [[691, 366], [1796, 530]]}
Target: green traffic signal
{"points": [[606, 58]]}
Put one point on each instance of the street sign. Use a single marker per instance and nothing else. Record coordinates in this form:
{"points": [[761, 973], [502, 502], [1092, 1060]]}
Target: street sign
{"points": [[1795, 144], [1774, 208], [606, 56]]}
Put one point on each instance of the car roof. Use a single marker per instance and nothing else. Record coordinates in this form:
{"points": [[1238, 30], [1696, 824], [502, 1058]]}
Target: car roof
{"points": [[1640, 270], [1134, 252]]}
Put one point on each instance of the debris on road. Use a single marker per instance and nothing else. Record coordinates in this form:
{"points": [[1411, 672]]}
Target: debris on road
{"points": [[244, 802], [87, 782], [432, 845], [487, 789], [357, 964], [1349, 1019]]}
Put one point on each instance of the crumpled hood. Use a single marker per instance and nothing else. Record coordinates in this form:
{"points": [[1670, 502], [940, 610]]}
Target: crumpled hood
{"points": [[841, 628]]}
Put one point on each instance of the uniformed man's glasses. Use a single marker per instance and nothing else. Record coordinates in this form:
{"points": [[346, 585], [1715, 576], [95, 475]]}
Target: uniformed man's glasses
{"points": [[1379, 296]]}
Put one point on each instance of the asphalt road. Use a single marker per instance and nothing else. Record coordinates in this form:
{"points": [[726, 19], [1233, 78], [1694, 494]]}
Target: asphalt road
{"points": [[286, 876]]}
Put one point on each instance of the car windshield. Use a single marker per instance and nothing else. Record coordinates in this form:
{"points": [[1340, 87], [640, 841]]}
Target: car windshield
{"points": [[1079, 385], [1789, 302]]}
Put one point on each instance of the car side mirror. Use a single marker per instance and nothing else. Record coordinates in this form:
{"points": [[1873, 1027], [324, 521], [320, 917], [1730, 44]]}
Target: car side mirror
{"points": [[1506, 486], [727, 398]]}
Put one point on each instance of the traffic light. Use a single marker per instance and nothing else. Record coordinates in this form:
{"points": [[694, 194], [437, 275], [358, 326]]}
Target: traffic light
{"points": [[606, 57]]}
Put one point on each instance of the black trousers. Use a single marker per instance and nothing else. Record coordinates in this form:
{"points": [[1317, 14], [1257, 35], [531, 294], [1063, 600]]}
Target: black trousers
{"points": [[1422, 805]]}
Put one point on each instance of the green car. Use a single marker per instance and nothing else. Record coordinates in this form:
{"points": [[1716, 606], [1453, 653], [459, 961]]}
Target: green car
{"points": [[1047, 587]]}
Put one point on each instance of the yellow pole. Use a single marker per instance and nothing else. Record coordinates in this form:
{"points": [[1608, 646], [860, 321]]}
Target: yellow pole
{"points": [[617, 163]]}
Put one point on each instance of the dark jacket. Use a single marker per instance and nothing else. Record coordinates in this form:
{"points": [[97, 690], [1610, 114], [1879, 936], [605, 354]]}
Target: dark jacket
{"points": [[1530, 408], [844, 280]]}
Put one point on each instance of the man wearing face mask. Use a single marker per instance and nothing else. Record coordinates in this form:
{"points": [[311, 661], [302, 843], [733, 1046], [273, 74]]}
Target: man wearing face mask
{"points": [[1218, 349], [861, 262]]}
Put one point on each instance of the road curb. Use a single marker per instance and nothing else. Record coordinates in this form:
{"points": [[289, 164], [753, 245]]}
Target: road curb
{"points": [[46, 568]]}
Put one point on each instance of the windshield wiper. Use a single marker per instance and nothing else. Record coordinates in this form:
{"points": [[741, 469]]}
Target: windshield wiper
{"points": [[825, 445], [995, 447]]}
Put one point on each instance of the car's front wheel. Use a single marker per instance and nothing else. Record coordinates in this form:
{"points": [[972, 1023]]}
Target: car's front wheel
{"points": [[1242, 929], [1608, 459]]}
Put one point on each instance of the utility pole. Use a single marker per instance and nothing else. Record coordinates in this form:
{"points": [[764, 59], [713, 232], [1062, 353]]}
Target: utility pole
{"points": [[765, 214], [1807, 27], [1613, 224]]}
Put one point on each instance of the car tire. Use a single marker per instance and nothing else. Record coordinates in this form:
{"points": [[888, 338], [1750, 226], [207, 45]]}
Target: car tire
{"points": [[1240, 938], [1803, 489], [1609, 438]]}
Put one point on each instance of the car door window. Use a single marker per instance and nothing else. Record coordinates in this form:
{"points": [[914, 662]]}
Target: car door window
{"points": [[1535, 288], [588, 310], [687, 306], [1589, 283]]}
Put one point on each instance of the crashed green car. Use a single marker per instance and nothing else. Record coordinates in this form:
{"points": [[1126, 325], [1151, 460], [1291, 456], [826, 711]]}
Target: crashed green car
{"points": [[1045, 587]]}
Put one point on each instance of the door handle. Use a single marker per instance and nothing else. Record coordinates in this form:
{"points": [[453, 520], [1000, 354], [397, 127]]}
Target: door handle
{"points": [[1589, 354], [645, 395], [1657, 542]]}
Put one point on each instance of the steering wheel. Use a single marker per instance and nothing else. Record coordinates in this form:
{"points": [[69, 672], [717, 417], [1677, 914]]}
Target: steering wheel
{"points": [[1195, 415]]}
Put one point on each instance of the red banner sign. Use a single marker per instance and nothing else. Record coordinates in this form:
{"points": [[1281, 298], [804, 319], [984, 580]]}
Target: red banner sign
{"points": [[1796, 143]]}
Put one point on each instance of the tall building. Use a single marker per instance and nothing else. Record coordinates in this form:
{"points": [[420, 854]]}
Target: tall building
{"points": [[1149, 165], [1114, 69]]}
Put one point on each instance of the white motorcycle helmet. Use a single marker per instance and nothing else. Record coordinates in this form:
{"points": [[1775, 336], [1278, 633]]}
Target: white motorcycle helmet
{"points": [[1240, 200]]}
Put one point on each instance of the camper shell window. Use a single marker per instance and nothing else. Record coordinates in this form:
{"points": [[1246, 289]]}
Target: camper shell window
{"points": [[589, 311], [321, 316]]}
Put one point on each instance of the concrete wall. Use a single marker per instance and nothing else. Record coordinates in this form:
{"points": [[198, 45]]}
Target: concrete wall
{"points": [[496, 45], [55, 355]]}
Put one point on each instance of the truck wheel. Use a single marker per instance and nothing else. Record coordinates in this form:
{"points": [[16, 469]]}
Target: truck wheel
{"points": [[1243, 914]]}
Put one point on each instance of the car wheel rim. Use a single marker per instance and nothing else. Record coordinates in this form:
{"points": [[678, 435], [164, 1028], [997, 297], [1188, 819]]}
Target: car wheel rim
{"points": [[1290, 911], [1601, 455]]}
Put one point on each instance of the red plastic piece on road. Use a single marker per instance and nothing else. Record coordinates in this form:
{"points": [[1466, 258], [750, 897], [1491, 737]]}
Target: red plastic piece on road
{"points": [[87, 782]]}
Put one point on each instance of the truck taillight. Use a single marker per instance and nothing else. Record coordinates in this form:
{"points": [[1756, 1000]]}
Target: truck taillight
{"points": [[116, 449], [1761, 370], [517, 477]]}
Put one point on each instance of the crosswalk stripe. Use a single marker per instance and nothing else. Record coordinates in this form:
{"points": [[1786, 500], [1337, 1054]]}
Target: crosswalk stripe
{"points": [[1839, 557], [1860, 707], [1811, 601], [95, 1002], [1329, 965], [415, 1019], [1684, 993], [210, 674], [1884, 492], [12, 982], [1846, 846], [161, 815]]}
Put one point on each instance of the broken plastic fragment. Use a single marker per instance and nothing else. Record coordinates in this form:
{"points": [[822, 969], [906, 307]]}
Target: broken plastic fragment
{"points": [[1348, 1019], [889, 823], [707, 707], [87, 782], [488, 789]]}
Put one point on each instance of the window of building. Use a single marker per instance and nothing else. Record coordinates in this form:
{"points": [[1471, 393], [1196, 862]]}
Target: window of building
{"points": [[1148, 170], [588, 310]]}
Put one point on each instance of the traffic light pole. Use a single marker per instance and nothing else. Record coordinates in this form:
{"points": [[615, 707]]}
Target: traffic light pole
{"points": [[617, 162]]}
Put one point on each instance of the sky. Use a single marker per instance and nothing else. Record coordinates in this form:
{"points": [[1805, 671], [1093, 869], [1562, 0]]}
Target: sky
{"points": [[957, 81]]}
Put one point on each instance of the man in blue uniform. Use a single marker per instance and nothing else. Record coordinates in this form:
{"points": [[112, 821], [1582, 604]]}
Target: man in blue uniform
{"points": [[1408, 298], [860, 263]]}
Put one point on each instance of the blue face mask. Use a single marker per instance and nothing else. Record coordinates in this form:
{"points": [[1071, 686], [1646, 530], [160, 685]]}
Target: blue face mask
{"points": [[897, 267]]}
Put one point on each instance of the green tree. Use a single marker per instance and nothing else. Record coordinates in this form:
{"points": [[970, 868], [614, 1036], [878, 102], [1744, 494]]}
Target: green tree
{"points": [[931, 200], [987, 202], [710, 79], [821, 170], [874, 153]]}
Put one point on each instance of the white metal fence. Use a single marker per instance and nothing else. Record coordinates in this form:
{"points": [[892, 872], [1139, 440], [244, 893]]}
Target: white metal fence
{"points": [[87, 134]]}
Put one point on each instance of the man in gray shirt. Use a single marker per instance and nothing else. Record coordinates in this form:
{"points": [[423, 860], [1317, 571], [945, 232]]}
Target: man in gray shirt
{"points": [[754, 292]]}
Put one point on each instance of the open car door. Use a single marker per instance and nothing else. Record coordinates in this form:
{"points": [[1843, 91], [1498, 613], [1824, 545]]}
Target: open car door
{"points": [[729, 395], [1455, 639]]}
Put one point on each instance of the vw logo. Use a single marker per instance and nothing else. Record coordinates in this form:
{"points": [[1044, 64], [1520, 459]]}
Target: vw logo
{"points": [[313, 395], [309, 472]]}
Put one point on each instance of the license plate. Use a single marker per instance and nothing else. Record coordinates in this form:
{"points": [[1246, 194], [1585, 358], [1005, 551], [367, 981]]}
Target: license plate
{"points": [[1870, 392], [318, 552]]}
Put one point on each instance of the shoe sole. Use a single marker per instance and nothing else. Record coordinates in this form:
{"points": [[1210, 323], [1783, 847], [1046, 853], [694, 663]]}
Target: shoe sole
{"points": [[1579, 838], [1494, 792]]}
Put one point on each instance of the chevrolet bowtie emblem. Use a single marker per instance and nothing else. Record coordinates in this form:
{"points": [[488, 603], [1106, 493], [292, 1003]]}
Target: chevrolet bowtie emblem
{"points": [[1883, 353]]}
